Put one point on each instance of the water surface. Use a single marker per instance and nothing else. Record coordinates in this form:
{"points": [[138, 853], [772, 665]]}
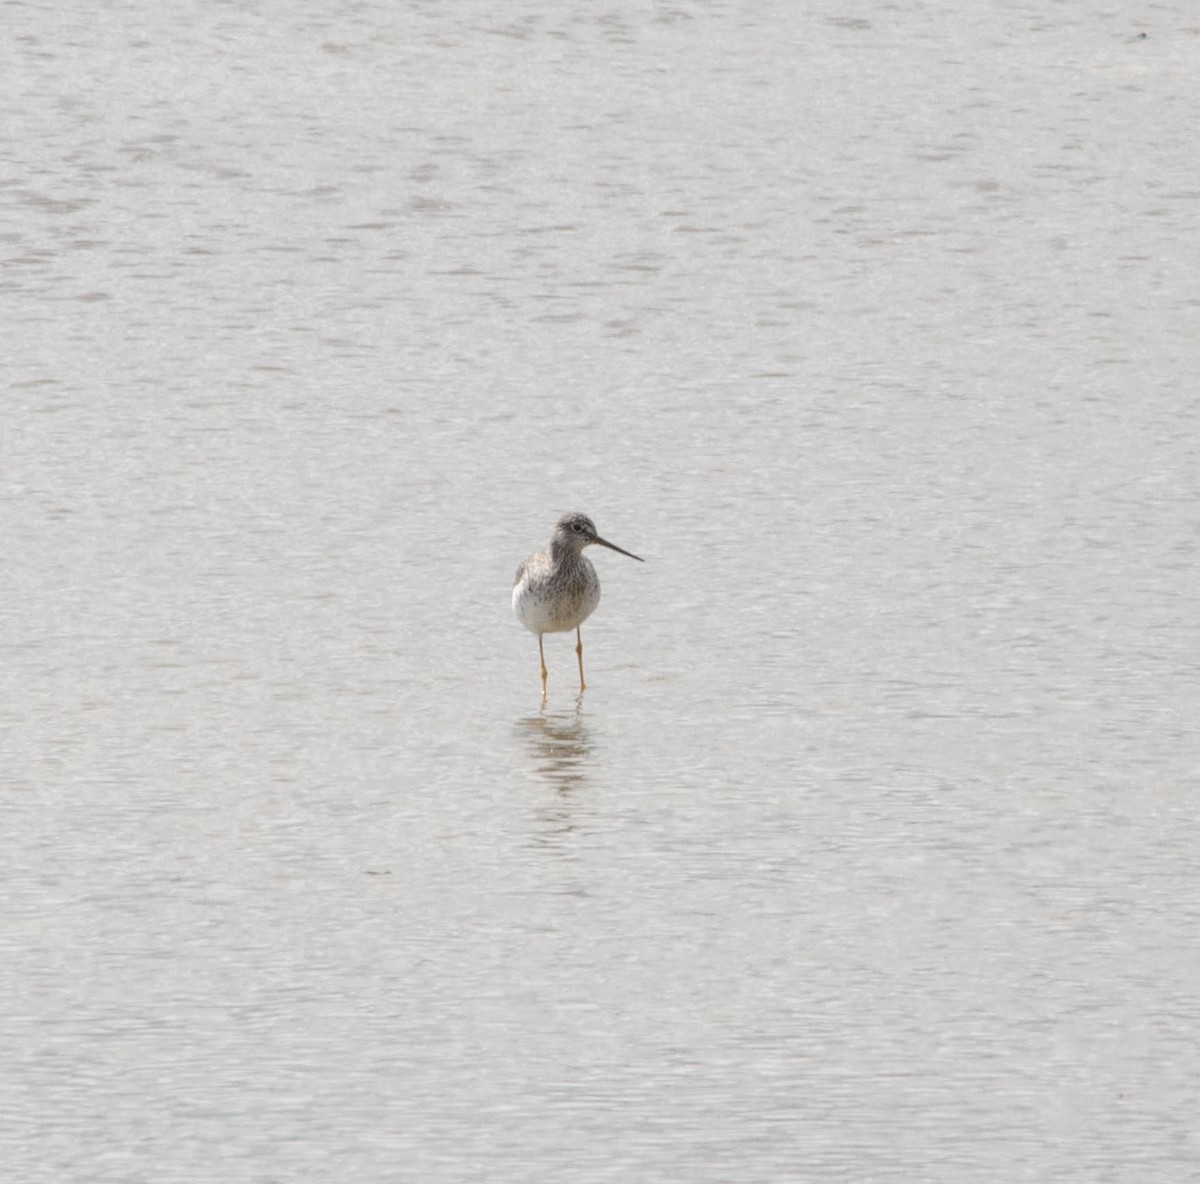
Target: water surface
{"points": [[869, 854]]}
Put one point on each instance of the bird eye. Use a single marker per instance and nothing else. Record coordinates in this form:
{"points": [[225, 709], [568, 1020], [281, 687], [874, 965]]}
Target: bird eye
{"points": [[577, 527]]}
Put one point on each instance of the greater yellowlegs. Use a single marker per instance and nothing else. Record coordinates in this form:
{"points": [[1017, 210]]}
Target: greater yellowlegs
{"points": [[557, 589]]}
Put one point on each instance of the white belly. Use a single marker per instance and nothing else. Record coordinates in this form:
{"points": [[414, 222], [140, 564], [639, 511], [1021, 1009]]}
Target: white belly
{"points": [[542, 608]]}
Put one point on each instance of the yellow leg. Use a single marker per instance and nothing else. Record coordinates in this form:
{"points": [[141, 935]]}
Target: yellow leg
{"points": [[542, 664], [579, 655]]}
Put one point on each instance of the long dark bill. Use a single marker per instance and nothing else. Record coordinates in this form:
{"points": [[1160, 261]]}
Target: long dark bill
{"points": [[614, 547]]}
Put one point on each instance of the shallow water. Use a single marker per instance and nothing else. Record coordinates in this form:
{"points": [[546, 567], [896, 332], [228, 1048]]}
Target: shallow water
{"points": [[870, 852]]}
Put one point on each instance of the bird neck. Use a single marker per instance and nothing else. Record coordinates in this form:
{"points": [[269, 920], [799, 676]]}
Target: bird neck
{"points": [[564, 553]]}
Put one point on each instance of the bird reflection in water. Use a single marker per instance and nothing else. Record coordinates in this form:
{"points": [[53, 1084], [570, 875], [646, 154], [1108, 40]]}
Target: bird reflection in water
{"points": [[560, 748]]}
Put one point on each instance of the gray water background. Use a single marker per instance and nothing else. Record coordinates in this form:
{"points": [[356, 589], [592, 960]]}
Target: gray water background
{"points": [[871, 852]]}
